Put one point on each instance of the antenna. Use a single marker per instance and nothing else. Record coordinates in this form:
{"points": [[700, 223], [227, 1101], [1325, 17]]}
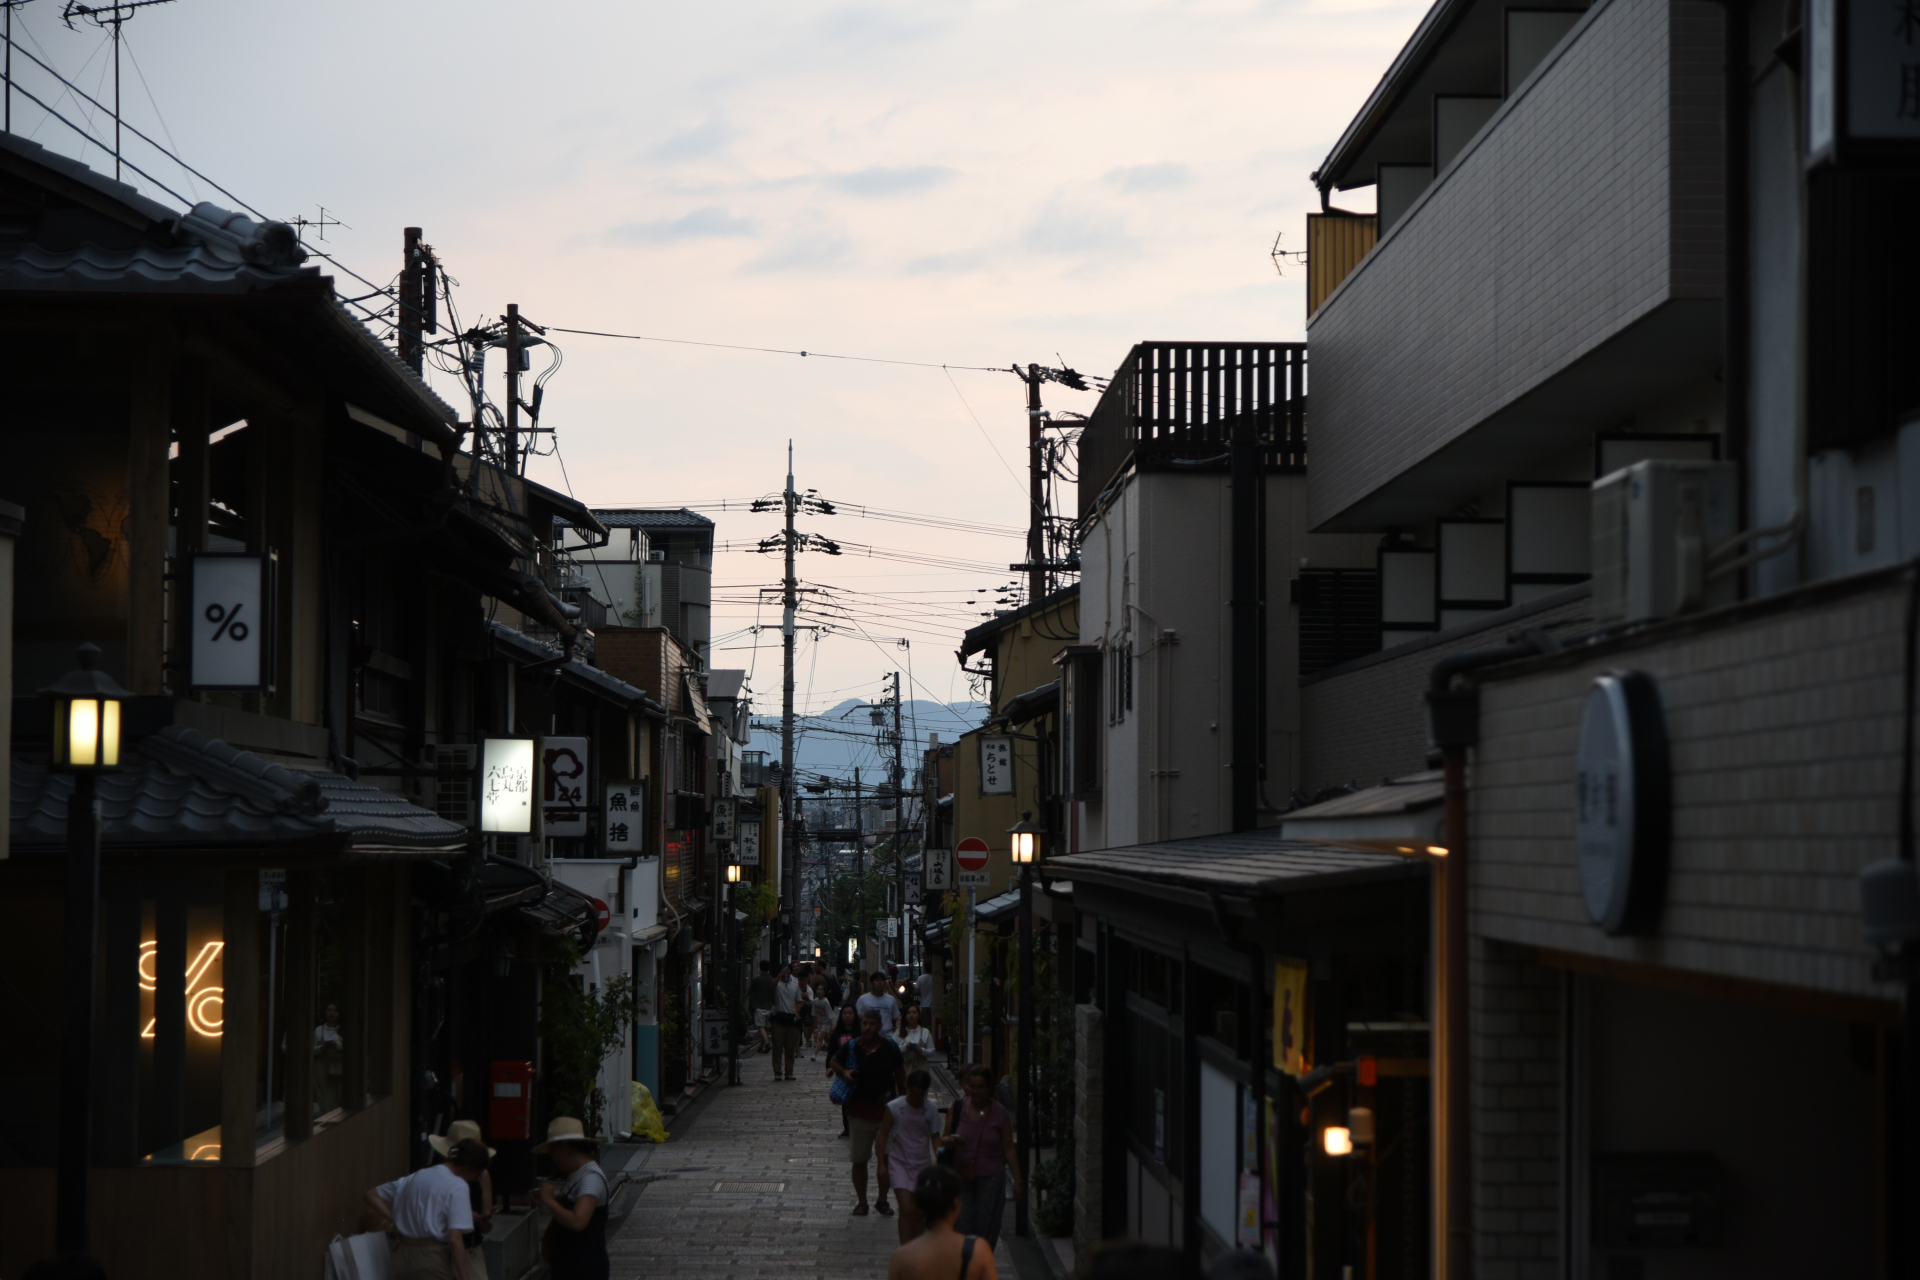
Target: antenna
{"points": [[108, 17], [301, 224]]}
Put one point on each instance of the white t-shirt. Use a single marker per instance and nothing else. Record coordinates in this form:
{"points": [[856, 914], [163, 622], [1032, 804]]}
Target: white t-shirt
{"points": [[885, 1005], [910, 1148], [918, 1038], [588, 1180], [924, 985], [429, 1204], [786, 997]]}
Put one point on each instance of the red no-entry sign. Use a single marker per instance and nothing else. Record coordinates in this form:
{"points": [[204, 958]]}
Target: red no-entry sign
{"points": [[971, 854], [602, 916]]}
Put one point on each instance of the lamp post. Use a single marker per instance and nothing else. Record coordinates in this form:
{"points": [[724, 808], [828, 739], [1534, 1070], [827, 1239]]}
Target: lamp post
{"points": [[733, 974], [87, 707], [1026, 840]]}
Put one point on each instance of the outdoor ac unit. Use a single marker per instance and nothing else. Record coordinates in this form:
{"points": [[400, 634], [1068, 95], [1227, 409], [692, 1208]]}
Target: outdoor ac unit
{"points": [[1654, 525], [452, 785], [657, 557]]}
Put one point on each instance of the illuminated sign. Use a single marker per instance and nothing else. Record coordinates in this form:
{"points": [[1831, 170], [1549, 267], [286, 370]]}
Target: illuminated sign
{"points": [[206, 1004], [506, 786], [563, 785]]}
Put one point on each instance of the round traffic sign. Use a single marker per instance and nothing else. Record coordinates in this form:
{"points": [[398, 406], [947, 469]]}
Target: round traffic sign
{"points": [[971, 854], [602, 916]]}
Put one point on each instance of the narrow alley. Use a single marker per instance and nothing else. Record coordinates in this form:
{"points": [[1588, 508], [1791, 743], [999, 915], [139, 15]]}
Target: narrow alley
{"points": [[754, 1183]]}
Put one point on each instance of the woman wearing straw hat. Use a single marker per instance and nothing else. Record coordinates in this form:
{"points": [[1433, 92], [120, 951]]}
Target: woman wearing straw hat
{"points": [[479, 1194], [577, 1240]]}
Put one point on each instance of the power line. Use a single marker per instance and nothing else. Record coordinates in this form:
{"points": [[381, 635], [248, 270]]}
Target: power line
{"points": [[778, 351]]}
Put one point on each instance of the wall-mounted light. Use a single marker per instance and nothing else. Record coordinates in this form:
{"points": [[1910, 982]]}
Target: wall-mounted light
{"points": [[853, 949], [1437, 850], [86, 717], [1337, 1140]]}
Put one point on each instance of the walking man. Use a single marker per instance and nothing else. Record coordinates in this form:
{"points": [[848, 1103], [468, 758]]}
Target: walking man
{"points": [[786, 1023], [873, 1066], [909, 1131], [878, 1000], [760, 995], [431, 1213]]}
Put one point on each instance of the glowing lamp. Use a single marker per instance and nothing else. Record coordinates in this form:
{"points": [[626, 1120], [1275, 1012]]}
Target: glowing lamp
{"points": [[1338, 1140], [87, 706], [1026, 838], [1437, 850], [733, 873]]}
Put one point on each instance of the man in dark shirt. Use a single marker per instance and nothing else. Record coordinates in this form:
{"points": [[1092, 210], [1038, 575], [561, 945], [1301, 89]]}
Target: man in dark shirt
{"points": [[760, 994], [878, 1074]]}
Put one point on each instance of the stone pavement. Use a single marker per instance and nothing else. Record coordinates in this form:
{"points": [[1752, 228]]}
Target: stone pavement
{"points": [[754, 1183]]}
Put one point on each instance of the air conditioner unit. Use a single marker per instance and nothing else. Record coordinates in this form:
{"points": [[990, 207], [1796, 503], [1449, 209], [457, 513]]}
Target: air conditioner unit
{"points": [[452, 785], [1654, 525], [656, 557]]}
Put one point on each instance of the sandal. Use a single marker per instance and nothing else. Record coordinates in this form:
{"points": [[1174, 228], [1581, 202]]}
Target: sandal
{"points": [[860, 1210], [884, 1209]]}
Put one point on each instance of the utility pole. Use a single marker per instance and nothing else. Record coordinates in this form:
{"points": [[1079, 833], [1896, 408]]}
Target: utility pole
{"points": [[899, 829], [790, 602], [859, 864], [513, 389], [419, 299], [1036, 494]]}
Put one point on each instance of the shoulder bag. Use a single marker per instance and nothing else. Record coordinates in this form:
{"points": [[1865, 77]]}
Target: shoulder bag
{"points": [[842, 1091]]}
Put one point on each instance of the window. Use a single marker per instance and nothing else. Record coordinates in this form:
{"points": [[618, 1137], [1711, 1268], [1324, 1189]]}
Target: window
{"points": [[1079, 721]]}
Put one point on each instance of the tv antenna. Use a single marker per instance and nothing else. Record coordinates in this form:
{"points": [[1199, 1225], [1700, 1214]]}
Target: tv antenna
{"points": [[321, 223], [110, 18]]}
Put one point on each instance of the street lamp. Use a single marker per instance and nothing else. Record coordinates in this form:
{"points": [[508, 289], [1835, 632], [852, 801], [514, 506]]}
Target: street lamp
{"points": [[1026, 842], [733, 873], [88, 710], [732, 939]]}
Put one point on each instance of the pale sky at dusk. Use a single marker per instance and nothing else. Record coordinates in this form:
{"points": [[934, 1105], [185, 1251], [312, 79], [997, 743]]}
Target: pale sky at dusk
{"points": [[971, 184]]}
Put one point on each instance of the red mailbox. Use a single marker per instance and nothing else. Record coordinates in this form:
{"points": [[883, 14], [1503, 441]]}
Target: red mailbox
{"points": [[511, 1104]]}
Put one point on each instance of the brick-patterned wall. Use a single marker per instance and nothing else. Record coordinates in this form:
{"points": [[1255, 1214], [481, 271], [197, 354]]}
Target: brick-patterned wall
{"points": [[1515, 1026], [1591, 201], [1785, 729], [1367, 720]]}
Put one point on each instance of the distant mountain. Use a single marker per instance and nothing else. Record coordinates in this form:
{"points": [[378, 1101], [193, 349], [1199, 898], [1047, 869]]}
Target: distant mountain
{"points": [[834, 741]]}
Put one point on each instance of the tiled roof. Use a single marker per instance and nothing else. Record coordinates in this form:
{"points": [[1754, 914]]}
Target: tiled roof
{"points": [[529, 649], [191, 790], [651, 518], [1247, 862]]}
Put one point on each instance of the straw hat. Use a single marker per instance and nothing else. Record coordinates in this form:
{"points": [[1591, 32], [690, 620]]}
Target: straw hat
{"points": [[565, 1129], [458, 1131]]}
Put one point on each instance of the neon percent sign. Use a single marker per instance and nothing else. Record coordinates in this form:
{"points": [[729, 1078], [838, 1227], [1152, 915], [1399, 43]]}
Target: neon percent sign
{"points": [[206, 1006]]}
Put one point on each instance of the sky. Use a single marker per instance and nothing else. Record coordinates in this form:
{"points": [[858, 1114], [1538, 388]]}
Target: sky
{"points": [[965, 185]]}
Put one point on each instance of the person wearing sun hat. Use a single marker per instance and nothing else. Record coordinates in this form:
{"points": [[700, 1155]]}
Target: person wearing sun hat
{"points": [[430, 1215], [479, 1194], [577, 1239]]}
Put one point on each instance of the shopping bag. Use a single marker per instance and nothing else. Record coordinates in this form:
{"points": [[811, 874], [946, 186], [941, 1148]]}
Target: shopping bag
{"points": [[361, 1257]]}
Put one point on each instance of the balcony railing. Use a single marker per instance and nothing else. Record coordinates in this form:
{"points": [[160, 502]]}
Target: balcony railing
{"points": [[1173, 406]]}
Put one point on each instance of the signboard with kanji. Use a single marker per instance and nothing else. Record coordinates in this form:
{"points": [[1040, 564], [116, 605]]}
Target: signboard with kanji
{"points": [[506, 786], [723, 812], [623, 827], [746, 850], [996, 766], [936, 870]]}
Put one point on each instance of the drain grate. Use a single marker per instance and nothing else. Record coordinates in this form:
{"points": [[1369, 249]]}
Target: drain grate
{"points": [[749, 1186], [816, 1159]]}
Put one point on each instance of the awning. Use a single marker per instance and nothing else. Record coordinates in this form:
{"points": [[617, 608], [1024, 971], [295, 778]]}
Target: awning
{"points": [[196, 796], [697, 707], [1404, 815], [1261, 863], [1032, 704]]}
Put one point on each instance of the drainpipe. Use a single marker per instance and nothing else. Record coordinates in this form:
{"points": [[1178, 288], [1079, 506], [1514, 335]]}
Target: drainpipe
{"points": [[1453, 725], [1247, 522]]}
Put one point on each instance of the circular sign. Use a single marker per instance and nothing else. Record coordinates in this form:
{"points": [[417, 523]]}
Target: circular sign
{"points": [[602, 916], [971, 854], [1622, 803]]}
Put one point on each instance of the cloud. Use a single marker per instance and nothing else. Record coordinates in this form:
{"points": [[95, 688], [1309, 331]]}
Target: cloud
{"points": [[697, 143], [1138, 178], [960, 260], [804, 253], [881, 181], [708, 223], [1071, 231]]}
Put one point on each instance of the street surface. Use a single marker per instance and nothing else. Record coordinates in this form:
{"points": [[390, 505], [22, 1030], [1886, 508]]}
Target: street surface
{"points": [[755, 1185]]}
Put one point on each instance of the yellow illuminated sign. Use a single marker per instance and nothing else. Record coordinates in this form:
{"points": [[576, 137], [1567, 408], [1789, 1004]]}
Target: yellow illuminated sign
{"points": [[206, 1006]]}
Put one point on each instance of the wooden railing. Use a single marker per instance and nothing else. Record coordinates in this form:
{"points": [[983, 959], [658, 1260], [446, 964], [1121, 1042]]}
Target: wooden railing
{"points": [[1173, 405]]}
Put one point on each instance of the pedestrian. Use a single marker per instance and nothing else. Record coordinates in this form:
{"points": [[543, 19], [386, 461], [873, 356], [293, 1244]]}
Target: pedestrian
{"points": [[822, 1017], [941, 1253], [805, 1011], [844, 1030], [577, 1236], [880, 1000], [980, 1133], [836, 993], [786, 1023], [479, 1191], [923, 987], [329, 1062], [909, 1131], [760, 996], [915, 1041], [431, 1213], [871, 1064]]}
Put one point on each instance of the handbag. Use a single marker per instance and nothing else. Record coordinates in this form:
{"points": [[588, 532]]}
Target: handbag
{"points": [[842, 1091]]}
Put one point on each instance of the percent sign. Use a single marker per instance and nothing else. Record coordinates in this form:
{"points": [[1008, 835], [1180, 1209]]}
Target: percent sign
{"points": [[229, 622]]}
